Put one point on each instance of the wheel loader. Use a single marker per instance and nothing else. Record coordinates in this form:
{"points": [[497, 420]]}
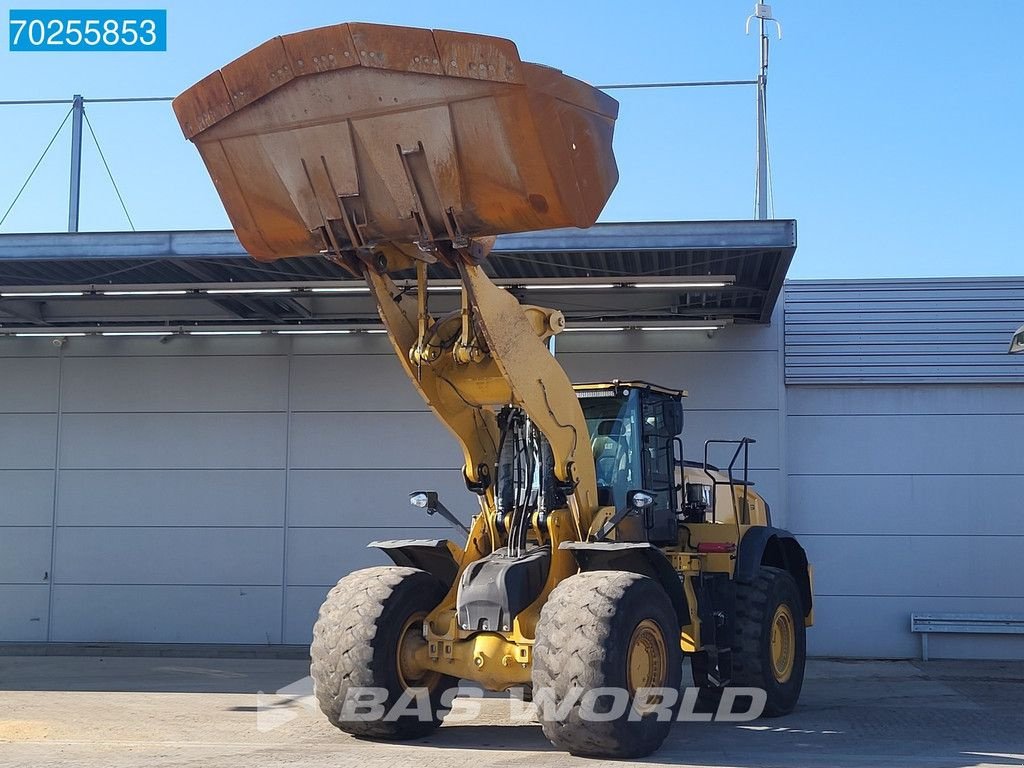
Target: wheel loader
{"points": [[599, 557]]}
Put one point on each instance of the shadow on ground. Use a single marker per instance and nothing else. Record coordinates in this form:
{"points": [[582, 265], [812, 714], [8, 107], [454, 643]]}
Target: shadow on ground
{"points": [[148, 675]]}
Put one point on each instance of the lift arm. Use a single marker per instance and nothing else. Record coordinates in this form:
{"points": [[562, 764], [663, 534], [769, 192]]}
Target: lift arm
{"points": [[502, 360]]}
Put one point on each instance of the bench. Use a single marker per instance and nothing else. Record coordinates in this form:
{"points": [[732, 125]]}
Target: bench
{"points": [[964, 623]]}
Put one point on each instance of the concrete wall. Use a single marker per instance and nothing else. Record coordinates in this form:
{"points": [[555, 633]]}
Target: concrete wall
{"points": [[211, 490]]}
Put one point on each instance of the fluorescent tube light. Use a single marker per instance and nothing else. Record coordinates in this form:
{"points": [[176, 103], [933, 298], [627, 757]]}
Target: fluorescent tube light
{"points": [[40, 294], [681, 285], [145, 293], [224, 333], [51, 334], [298, 331], [567, 286], [680, 327], [224, 291]]}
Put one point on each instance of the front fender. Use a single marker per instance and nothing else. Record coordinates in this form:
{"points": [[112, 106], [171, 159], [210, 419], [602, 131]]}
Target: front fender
{"points": [[439, 557], [634, 557]]}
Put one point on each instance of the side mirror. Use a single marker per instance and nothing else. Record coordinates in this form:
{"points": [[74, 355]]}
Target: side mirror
{"points": [[700, 498], [428, 500], [664, 419], [673, 417]]}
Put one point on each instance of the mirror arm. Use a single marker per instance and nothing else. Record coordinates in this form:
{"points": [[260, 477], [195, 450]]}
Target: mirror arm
{"points": [[620, 515], [613, 521]]}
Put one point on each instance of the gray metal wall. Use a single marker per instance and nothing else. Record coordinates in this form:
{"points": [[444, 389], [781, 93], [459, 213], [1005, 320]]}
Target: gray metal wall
{"points": [[211, 490], [905, 462]]}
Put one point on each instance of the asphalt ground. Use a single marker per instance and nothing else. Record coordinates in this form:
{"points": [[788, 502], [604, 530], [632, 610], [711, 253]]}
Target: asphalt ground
{"points": [[111, 712]]}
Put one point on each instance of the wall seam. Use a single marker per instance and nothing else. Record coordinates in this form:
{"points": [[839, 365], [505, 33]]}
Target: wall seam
{"points": [[783, 406], [56, 493], [287, 500]]}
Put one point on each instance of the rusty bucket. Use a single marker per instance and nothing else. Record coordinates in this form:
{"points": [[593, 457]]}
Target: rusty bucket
{"points": [[360, 138]]}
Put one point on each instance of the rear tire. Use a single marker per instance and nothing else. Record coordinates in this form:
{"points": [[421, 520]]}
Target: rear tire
{"points": [[366, 619], [770, 642], [606, 629], [763, 655]]}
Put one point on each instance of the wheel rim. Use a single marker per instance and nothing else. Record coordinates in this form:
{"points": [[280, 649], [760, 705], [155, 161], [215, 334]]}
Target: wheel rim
{"points": [[647, 662], [783, 644], [410, 639]]}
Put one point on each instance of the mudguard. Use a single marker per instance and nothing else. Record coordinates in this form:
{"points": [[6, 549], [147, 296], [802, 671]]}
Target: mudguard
{"points": [[435, 556], [777, 548], [635, 557]]}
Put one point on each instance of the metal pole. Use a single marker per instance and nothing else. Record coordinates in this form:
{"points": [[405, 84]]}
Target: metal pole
{"points": [[762, 133], [763, 14], [77, 110]]}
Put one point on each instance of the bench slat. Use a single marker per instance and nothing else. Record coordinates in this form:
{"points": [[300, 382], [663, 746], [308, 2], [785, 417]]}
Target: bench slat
{"points": [[973, 628], [1011, 617], [964, 623]]}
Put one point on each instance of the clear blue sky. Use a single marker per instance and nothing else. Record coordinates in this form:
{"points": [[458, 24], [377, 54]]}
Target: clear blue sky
{"points": [[895, 126]]}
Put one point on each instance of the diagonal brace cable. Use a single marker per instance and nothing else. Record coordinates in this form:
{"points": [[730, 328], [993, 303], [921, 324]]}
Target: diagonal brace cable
{"points": [[35, 167], [110, 175]]}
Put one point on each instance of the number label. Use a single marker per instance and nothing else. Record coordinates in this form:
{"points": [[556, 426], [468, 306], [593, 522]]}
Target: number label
{"points": [[87, 30]]}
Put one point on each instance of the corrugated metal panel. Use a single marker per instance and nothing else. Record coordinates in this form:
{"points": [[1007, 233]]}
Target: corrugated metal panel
{"points": [[903, 331]]}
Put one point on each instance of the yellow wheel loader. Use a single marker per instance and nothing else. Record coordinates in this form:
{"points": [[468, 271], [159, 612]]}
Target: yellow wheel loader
{"points": [[598, 557]]}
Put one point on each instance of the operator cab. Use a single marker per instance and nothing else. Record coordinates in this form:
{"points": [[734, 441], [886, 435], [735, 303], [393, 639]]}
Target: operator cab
{"points": [[634, 434]]}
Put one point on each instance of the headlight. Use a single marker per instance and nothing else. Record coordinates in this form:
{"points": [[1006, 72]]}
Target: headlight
{"points": [[642, 500]]}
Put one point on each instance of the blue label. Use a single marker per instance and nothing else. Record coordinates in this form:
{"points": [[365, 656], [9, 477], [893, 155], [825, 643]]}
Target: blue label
{"points": [[70, 30]]}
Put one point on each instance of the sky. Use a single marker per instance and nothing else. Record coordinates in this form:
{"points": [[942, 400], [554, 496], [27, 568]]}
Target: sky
{"points": [[895, 125]]}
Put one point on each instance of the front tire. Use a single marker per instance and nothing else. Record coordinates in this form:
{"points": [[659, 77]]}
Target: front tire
{"points": [[365, 636], [606, 630]]}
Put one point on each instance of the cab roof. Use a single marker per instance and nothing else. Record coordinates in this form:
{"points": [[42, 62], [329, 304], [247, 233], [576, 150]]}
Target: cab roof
{"points": [[616, 384]]}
